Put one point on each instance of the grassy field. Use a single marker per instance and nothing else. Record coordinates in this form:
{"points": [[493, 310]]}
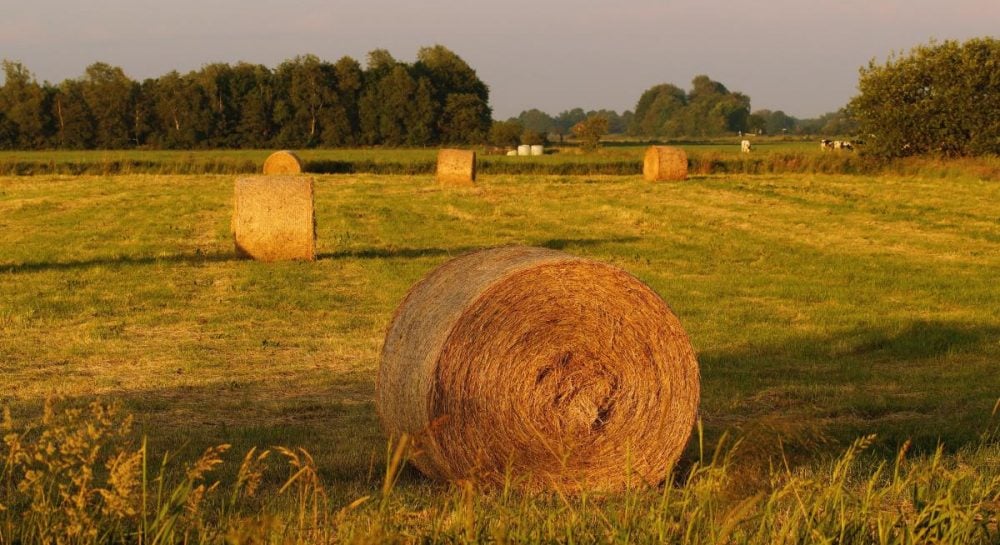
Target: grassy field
{"points": [[613, 158], [823, 308]]}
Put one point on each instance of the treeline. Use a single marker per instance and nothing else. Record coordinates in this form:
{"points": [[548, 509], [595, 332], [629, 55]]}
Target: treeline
{"points": [[304, 102], [666, 111]]}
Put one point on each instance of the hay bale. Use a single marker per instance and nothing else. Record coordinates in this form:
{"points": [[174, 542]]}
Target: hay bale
{"points": [[524, 150], [456, 167], [567, 372], [283, 162], [274, 218], [537, 149], [664, 163]]}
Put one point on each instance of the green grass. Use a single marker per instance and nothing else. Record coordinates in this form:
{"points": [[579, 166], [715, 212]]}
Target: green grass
{"points": [[822, 308]]}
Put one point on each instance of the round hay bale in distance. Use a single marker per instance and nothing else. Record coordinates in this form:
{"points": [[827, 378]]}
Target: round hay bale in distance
{"points": [[664, 163], [558, 371], [524, 150], [274, 218], [283, 162], [456, 167]]}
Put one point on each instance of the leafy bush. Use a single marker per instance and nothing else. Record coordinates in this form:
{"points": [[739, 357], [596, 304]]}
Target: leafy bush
{"points": [[940, 98]]}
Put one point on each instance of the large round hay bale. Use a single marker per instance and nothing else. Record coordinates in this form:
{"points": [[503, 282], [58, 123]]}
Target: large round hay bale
{"points": [[274, 218], [456, 167], [524, 150], [532, 364], [664, 163], [537, 149], [283, 162]]}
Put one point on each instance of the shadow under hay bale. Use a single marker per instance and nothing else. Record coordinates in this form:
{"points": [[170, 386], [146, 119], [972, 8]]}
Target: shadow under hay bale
{"points": [[456, 167], [283, 162], [663, 163], [559, 371], [274, 218]]}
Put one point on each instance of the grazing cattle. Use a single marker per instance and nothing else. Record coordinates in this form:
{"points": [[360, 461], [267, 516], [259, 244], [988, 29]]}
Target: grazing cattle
{"points": [[825, 145], [847, 145], [745, 146]]}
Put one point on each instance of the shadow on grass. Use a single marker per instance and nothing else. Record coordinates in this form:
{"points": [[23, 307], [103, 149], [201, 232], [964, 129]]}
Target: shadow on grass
{"points": [[412, 253], [201, 258], [932, 383], [116, 261]]}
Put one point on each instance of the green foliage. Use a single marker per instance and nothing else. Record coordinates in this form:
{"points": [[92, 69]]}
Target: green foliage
{"points": [[941, 98], [506, 133], [590, 131], [304, 102], [709, 109], [537, 121]]}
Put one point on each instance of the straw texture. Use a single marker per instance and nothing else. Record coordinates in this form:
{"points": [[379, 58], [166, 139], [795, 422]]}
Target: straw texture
{"points": [[283, 162], [560, 371], [274, 218], [456, 167], [664, 163]]}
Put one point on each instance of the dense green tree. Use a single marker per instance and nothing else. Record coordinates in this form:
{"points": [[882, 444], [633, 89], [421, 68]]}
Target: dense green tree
{"points": [[709, 109], [537, 120], [24, 104], [590, 131], [75, 125], [8, 133], [464, 119], [941, 97], [310, 89], [109, 95], [304, 102], [350, 80], [567, 119], [182, 111], [506, 133], [449, 73], [656, 106]]}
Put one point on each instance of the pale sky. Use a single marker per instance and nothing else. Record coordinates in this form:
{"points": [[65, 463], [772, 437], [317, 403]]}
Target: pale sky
{"points": [[800, 56]]}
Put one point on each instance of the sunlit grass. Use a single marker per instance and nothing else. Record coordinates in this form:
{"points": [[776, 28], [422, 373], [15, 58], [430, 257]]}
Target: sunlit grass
{"points": [[823, 308]]}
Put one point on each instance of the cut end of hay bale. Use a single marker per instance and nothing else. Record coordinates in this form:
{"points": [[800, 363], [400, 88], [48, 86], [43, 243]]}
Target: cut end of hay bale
{"points": [[532, 364], [456, 167], [274, 218], [283, 162], [664, 163]]}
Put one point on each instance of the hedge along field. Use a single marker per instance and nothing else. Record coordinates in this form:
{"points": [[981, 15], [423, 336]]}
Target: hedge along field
{"points": [[770, 156], [823, 308]]}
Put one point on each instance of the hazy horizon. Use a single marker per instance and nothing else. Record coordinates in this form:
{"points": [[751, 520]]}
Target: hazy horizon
{"points": [[800, 57]]}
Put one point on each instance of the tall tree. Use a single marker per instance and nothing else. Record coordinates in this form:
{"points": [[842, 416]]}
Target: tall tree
{"points": [[75, 126], [25, 106], [109, 96], [254, 90], [182, 111], [464, 119]]}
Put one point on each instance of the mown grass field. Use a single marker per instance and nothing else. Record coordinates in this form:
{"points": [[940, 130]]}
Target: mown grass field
{"points": [[823, 308]]}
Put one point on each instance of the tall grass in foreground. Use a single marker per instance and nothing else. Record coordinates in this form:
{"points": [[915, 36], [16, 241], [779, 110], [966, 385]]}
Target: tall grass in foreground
{"points": [[76, 477]]}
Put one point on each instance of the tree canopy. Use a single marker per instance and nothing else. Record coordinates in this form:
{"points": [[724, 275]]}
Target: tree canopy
{"points": [[303, 102], [708, 109], [940, 98]]}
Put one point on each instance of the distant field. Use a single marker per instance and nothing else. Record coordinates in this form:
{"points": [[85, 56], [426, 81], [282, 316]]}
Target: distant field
{"points": [[613, 158], [822, 308]]}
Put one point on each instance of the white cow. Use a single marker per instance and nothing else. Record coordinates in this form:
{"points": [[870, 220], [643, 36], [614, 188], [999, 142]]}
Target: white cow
{"points": [[745, 146], [825, 145]]}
